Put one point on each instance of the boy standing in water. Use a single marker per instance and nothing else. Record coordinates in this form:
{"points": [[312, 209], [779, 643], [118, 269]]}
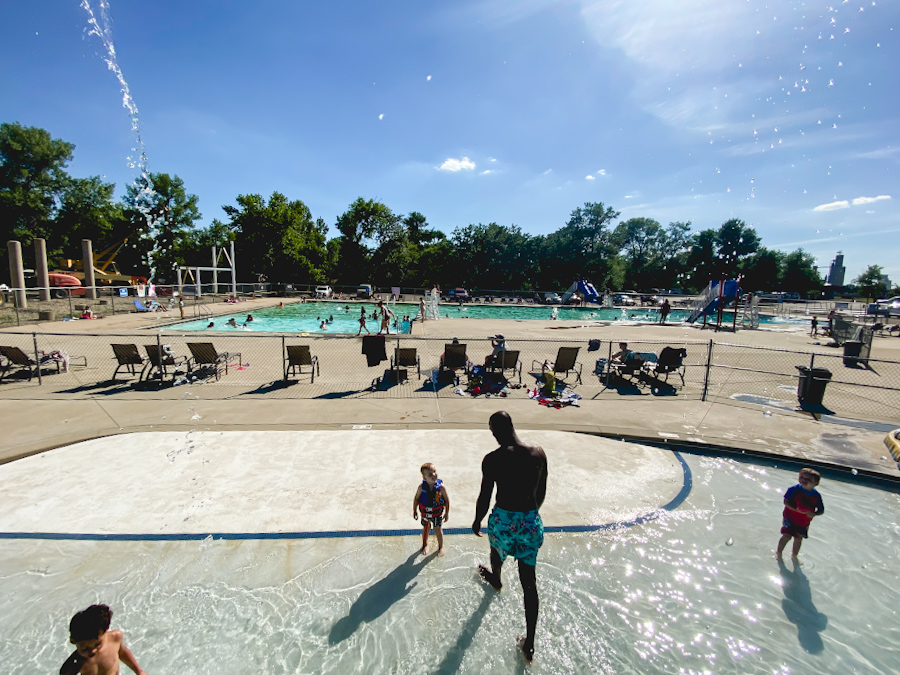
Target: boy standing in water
{"points": [[802, 503], [433, 502], [98, 650]]}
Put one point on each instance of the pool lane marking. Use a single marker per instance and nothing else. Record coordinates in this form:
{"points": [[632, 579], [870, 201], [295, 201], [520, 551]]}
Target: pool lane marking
{"points": [[687, 484]]}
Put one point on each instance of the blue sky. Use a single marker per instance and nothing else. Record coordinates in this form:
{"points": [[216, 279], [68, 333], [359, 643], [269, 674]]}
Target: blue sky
{"points": [[783, 114]]}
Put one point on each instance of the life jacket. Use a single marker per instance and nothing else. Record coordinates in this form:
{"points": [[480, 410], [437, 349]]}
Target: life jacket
{"points": [[431, 504]]}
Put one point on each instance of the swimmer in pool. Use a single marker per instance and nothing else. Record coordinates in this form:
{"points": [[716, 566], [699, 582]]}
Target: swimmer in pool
{"points": [[231, 322], [98, 650], [322, 326], [211, 324]]}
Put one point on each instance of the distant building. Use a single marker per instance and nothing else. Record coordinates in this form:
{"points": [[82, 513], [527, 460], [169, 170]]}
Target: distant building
{"points": [[836, 271], [886, 281]]}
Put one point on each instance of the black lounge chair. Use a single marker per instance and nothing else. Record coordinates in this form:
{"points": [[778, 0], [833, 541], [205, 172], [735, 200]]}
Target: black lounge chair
{"points": [[128, 357], [671, 360], [205, 354], [508, 359], [566, 361], [455, 358], [299, 356], [17, 360], [406, 357], [161, 360]]}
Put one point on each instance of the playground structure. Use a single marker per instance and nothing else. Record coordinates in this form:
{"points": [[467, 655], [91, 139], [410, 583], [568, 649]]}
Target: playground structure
{"points": [[587, 290], [105, 270], [717, 295], [193, 274]]}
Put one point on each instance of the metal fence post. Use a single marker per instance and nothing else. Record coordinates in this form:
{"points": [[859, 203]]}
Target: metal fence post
{"points": [[812, 360], [708, 368], [69, 296], [16, 305], [37, 358], [284, 366]]}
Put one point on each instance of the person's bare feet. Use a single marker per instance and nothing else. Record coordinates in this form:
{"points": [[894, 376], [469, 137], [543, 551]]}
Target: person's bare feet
{"points": [[527, 650], [489, 577], [422, 550], [440, 553]]}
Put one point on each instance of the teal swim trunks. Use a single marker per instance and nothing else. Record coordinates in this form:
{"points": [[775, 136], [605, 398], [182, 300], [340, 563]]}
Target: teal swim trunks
{"points": [[516, 533]]}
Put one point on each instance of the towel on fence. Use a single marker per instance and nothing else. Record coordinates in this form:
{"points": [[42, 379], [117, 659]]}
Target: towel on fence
{"points": [[374, 349]]}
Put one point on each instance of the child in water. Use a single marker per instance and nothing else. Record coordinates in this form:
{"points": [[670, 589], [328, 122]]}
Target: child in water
{"points": [[98, 650], [802, 503], [433, 503]]}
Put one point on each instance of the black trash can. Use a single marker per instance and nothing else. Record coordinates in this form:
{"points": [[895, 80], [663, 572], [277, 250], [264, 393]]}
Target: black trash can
{"points": [[852, 351], [811, 387]]}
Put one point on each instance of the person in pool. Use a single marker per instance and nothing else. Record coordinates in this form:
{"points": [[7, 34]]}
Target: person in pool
{"points": [[802, 503], [249, 318], [98, 649], [212, 324], [519, 471], [231, 322]]}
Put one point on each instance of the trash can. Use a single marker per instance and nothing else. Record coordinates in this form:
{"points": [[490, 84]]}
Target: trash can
{"points": [[852, 351], [811, 387]]}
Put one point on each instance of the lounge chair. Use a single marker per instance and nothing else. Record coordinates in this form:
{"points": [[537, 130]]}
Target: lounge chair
{"points": [[406, 358], [161, 360], [139, 306], [205, 354], [455, 358], [670, 360], [297, 357], [508, 359], [17, 360], [128, 357], [566, 361]]}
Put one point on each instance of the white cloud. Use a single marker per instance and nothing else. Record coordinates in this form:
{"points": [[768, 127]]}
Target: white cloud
{"points": [[428, 78], [486, 172], [601, 172], [381, 116], [491, 159], [833, 206], [868, 200], [547, 172], [454, 165], [589, 177]]}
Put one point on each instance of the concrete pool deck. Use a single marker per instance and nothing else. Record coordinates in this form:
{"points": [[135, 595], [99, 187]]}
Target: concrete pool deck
{"points": [[34, 423]]}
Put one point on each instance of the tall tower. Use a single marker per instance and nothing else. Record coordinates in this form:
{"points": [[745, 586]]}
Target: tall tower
{"points": [[836, 271]]}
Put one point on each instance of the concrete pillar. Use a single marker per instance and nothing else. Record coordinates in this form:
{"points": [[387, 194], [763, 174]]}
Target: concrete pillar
{"points": [[233, 273], [40, 267], [87, 264], [215, 272], [17, 272]]}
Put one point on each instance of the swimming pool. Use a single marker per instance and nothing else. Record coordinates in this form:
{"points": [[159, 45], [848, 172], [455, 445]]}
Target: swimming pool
{"points": [[307, 317], [692, 590]]}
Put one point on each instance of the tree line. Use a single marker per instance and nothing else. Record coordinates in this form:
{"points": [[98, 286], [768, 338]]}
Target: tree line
{"points": [[278, 237]]}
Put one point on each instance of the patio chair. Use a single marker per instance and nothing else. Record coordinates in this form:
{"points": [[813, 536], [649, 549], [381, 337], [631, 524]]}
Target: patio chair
{"points": [[205, 354], [406, 358], [297, 357], [161, 359], [127, 356], [671, 360], [17, 360], [633, 365], [139, 306], [508, 359], [566, 361], [454, 358]]}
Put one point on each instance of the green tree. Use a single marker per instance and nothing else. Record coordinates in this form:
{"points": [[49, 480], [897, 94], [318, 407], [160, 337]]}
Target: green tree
{"points": [[641, 240], [734, 241], [86, 211], [491, 257], [699, 267], [583, 248], [196, 246], [800, 274], [32, 180], [762, 271], [162, 212], [359, 225], [278, 239], [871, 282]]}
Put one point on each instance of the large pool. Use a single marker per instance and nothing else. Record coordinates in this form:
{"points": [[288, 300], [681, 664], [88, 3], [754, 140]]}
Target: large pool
{"points": [[695, 589], [307, 317]]}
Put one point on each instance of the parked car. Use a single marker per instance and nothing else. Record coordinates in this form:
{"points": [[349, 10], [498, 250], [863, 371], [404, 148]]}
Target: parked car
{"points": [[324, 292], [552, 299], [890, 302], [621, 299], [458, 295], [364, 291]]}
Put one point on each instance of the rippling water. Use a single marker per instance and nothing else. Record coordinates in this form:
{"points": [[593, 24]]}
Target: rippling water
{"points": [[695, 591]]}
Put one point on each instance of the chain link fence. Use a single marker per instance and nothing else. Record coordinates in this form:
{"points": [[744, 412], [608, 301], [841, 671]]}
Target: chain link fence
{"points": [[863, 389]]}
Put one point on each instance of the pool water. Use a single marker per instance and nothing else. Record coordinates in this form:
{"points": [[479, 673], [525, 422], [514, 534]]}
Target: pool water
{"points": [[695, 590], [307, 317]]}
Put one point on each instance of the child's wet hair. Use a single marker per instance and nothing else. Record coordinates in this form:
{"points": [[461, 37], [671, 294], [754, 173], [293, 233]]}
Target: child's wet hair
{"points": [[812, 474], [90, 623], [427, 465]]}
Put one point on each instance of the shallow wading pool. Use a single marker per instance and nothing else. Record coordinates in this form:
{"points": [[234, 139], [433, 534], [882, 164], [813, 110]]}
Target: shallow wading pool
{"points": [[693, 589]]}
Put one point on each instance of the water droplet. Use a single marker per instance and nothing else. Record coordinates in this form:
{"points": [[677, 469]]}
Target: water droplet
{"points": [[854, 472], [767, 413], [729, 541]]}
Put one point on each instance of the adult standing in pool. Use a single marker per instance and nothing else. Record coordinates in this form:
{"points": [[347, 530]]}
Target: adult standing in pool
{"points": [[664, 310], [519, 471]]}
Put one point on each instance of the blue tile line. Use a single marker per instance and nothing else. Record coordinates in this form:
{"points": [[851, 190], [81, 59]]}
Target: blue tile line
{"points": [[686, 486]]}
